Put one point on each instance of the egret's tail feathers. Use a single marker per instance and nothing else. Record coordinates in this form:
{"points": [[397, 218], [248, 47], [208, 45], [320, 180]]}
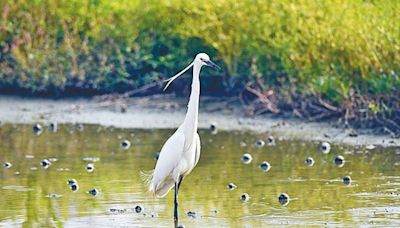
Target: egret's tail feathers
{"points": [[157, 189], [146, 177]]}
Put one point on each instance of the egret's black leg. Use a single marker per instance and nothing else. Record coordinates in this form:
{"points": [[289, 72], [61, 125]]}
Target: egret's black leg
{"points": [[180, 181], [177, 185], [176, 205]]}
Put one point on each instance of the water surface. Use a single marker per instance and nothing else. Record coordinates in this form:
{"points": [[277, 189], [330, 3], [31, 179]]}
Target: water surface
{"points": [[318, 196]]}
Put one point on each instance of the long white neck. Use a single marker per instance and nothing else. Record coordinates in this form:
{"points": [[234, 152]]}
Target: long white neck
{"points": [[189, 125]]}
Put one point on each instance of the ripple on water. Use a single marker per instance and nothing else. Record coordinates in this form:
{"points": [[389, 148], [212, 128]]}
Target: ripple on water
{"points": [[17, 188]]}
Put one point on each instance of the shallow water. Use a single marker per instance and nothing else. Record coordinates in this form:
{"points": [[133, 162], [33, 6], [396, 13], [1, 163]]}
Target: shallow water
{"points": [[318, 196]]}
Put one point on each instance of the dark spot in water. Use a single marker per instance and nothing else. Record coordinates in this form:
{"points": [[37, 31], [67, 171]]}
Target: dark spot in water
{"points": [[53, 195], [125, 144], [72, 181], [347, 180], [325, 147], [45, 163], [7, 165], [309, 161], [213, 129], [37, 129], [339, 161], [246, 158], [271, 140], [90, 167], [353, 133], [283, 199], [74, 187], [260, 143], [192, 214], [80, 127], [53, 127], [116, 210], [245, 197], [93, 192], [231, 186], [265, 166], [156, 156], [138, 209]]}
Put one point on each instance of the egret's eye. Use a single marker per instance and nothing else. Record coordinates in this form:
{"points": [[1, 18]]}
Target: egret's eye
{"points": [[202, 59]]}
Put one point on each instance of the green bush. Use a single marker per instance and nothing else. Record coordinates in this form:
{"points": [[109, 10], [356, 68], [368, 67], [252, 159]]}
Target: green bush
{"points": [[306, 47]]}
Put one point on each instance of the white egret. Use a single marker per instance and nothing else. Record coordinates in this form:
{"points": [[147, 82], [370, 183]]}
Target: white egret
{"points": [[181, 152]]}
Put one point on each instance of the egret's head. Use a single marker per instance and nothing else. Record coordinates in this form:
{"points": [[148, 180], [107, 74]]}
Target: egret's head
{"points": [[204, 60], [201, 59]]}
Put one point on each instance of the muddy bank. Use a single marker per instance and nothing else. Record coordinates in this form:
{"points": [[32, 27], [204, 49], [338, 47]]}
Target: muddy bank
{"points": [[168, 112]]}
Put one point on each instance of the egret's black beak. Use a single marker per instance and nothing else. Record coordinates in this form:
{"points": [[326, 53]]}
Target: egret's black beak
{"points": [[211, 64]]}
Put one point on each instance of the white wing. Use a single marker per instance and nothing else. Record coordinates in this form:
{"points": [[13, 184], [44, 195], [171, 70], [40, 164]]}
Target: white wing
{"points": [[170, 155], [198, 149]]}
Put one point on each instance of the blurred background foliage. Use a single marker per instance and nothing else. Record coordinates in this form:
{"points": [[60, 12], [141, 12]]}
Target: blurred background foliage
{"points": [[335, 50]]}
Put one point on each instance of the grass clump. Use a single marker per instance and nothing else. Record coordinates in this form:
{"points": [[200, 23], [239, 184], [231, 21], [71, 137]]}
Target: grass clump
{"points": [[342, 56]]}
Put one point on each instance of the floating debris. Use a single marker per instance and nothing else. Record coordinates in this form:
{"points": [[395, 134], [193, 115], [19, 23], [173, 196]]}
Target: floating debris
{"points": [[7, 165], [309, 161], [53, 195], [125, 144], [28, 156], [245, 197], [260, 143], [283, 199], [192, 214], [53, 127], [45, 163], [213, 128], [231, 186], [265, 166], [325, 147], [215, 211], [17, 173], [37, 129], [90, 167], [93, 192], [339, 161], [33, 168], [242, 144], [246, 158], [271, 140], [138, 209], [347, 180]]}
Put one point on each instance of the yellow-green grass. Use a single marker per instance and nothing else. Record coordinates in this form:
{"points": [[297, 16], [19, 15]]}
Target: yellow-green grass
{"points": [[304, 47]]}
